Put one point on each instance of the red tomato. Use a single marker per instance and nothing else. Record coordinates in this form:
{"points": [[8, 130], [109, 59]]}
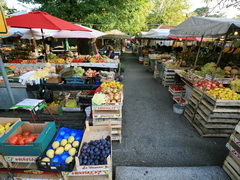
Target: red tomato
{"points": [[19, 135], [34, 136], [26, 133], [13, 140], [29, 139], [21, 141]]}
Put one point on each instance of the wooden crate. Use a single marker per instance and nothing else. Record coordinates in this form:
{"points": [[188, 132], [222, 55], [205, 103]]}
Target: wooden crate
{"points": [[3, 162], [199, 125], [116, 126], [92, 171], [232, 167], [53, 79]]}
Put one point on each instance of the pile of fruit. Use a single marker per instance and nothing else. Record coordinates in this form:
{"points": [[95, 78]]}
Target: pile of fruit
{"points": [[78, 71], [5, 127], [81, 59], [64, 147], [235, 85], [97, 59], [208, 69], [7, 70], [224, 94], [208, 85], [31, 61], [177, 88], [91, 73], [22, 139], [95, 152], [57, 61], [112, 85], [173, 64], [15, 60], [231, 71], [113, 90]]}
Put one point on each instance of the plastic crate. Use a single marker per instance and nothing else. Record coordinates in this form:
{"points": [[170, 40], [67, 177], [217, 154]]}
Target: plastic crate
{"points": [[59, 166], [75, 80]]}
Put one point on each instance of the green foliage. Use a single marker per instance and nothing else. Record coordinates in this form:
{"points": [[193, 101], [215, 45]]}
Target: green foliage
{"points": [[205, 12], [102, 15], [171, 12]]}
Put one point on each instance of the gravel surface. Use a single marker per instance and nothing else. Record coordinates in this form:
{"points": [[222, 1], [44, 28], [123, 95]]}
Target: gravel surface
{"points": [[153, 135]]}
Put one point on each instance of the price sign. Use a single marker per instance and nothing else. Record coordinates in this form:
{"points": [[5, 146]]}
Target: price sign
{"points": [[3, 24], [22, 159]]}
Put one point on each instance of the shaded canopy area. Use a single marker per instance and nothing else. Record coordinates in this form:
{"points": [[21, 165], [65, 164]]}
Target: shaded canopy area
{"points": [[115, 34], [198, 26]]}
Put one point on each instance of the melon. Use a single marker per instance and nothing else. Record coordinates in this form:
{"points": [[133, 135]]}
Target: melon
{"points": [[227, 68]]}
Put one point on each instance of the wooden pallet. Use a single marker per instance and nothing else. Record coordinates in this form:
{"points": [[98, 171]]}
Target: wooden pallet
{"points": [[232, 167], [188, 115], [209, 132]]}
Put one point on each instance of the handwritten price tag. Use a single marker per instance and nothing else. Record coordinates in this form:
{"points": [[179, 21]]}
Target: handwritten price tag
{"points": [[84, 173]]}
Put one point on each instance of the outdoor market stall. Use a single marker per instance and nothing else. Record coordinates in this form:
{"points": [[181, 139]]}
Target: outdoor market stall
{"points": [[212, 108]]}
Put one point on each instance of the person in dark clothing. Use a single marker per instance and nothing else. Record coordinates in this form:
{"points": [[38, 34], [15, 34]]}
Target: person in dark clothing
{"points": [[110, 52]]}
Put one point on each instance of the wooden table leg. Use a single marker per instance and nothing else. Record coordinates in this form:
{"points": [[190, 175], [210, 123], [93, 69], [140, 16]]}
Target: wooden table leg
{"points": [[33, 117], [15, 113]]}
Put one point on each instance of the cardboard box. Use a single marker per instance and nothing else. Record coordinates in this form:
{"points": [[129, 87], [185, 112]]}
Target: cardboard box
{"points": [[92, 133], [4, 121], [52, 109], [45, 130], [20, 176]]}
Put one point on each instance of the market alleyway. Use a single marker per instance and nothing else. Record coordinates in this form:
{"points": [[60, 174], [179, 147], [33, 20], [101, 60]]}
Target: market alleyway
{"points": [[153, 135]]}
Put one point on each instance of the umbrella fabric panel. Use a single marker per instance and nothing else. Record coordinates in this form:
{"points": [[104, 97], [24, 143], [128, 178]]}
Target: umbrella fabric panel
{"points": [[38, 19]]}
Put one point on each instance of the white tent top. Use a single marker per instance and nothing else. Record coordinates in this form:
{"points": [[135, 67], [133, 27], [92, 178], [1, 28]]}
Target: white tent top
{"points": [[157, 34], [79, 34], [198, 26]]}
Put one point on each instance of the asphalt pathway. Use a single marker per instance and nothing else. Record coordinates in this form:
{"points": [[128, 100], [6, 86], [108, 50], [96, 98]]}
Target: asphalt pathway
{"points": [[153, 135]]}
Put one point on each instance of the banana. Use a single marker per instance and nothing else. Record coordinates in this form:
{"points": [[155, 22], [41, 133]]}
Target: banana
{"points": [[226, 49], [231, 50], [236, 51]]}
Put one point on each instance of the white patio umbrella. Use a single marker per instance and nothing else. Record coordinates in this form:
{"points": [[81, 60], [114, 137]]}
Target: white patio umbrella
{"points": [[79, 34], [37, 34]]}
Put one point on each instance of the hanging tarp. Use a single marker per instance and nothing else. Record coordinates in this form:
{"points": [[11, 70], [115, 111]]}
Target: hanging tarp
{"points": [[198, 26]]}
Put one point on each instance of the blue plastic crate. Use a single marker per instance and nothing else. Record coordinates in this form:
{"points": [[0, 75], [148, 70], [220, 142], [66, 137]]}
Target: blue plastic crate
{"points": [[75, 80]]}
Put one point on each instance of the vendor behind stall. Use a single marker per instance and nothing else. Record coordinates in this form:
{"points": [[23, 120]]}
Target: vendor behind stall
{"points": [[110, 52]]}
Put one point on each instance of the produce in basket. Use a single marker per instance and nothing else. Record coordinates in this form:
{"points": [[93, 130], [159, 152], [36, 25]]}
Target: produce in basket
{"points": [[22, 139], [95, 152], [224, 94], [5, 127], [64, 146], [99, 98]]}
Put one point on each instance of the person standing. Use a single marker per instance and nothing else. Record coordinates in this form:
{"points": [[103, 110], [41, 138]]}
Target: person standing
{"points": [[110, 52]]}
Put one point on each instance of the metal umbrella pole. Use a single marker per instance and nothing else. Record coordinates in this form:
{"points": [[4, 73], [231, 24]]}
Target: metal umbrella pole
{"points": [[44, 46], [199, 48], [5, 78], [220, 55]]}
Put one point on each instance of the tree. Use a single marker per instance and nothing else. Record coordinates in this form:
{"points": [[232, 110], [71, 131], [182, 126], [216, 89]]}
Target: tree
{"points": [[128, 15], [6, 9], [205, 12], [238, 17], [170, 12], [225, 3]]}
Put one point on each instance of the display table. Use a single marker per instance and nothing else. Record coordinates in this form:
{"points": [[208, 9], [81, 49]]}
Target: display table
{"points": [[32, 105]]}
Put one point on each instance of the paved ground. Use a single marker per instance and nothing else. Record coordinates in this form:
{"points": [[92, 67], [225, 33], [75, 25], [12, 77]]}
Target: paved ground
{"points": [[171, 173], [153, 135]]}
